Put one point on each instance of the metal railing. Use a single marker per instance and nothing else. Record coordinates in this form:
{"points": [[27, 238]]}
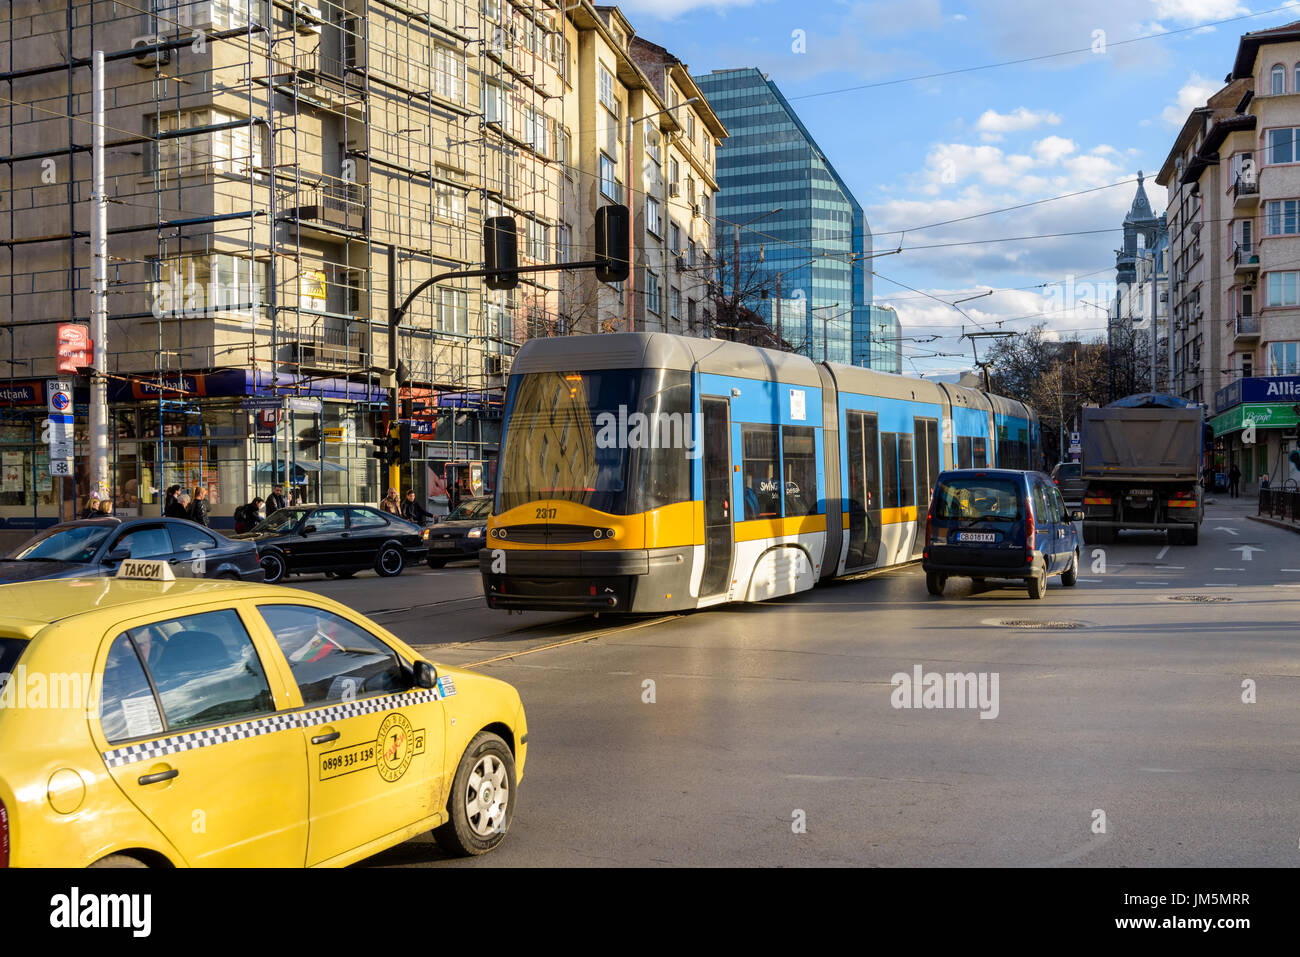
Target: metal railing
{"points": [[1247, 326], [1242, 187], [1244, 255], [1280, 503]]}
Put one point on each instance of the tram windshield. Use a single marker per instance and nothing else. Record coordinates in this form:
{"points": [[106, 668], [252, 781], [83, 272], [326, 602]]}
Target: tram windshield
{"points": [[620, 441]]}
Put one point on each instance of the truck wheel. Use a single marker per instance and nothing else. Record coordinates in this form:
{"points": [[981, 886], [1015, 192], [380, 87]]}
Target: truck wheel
{"points": [[934, 583], [1038, 585], [1071, 574]]}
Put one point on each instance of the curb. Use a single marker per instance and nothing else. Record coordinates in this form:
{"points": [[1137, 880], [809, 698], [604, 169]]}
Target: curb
{"points": [[1276, 523]]}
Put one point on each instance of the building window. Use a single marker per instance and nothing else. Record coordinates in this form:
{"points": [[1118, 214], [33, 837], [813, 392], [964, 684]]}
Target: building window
{"points": [[449, 73], [199, 284], [690, 189], [197, 14], [1283, 288], [690, 127], [652, 223], [1281, 146], [674, 171], [1284, 358], [496, 108], [608, 98], [565, 153], [451, 202], [654, 146], [236, 151], [676, 303], [690, 253], [453, 311], [674, 238], [1278, 80], [563, 243], [1281, 217], [492, 9], [652, 292], [537, 236], [609, 178]]}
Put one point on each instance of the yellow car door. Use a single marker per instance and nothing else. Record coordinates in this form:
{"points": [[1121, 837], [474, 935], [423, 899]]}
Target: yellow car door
{"points": [[192, 732], [374, 743]]}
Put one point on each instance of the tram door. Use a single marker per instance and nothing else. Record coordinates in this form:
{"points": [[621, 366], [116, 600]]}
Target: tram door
{"points": [[863, 450], [716, 462]]}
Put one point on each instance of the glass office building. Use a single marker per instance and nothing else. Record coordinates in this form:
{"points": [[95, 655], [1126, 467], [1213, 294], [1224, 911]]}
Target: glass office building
{"points": [[816, 244]]}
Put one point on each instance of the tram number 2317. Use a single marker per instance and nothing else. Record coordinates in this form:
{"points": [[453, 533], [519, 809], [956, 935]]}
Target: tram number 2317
{"points": [[546, 513]]}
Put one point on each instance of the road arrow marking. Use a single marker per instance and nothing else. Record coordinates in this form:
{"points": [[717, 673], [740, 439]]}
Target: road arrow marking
{"points": [[1163, 552], [1225, 528], [1246, 551]]}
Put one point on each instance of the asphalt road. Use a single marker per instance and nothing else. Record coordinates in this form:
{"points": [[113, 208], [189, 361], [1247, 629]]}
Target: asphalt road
{"points": [[766, 716]]}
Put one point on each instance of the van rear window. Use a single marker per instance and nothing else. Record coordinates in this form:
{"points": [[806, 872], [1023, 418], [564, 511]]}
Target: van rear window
{"points": [[976, 498]]}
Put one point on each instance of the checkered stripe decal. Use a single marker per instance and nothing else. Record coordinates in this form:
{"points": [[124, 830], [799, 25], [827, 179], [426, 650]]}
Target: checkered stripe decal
{"points": [[151, 750]]}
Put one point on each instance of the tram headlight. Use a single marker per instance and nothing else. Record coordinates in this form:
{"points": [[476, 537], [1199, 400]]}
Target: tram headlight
{"points": [[596, 533], [609, 533]]}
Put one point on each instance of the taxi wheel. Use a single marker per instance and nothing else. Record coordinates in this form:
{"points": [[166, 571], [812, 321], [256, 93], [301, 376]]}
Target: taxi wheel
{"points": [[273, 567], [482, 798], [390, 562], [119, 860], [1071, 574]]}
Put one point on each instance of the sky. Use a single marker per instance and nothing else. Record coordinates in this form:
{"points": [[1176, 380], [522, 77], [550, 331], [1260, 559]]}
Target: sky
{"points": [[919, 149]]}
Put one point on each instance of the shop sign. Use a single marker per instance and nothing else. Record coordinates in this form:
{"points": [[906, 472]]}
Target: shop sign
{"points": [[73, 347]]}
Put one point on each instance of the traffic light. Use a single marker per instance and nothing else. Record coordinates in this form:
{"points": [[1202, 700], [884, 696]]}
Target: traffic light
{"points": [[382, 449], [500, 252], [404, 443], [408, 408], [612, 236]]}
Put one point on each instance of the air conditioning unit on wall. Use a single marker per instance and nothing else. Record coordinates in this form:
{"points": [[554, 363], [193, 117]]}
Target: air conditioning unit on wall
{"points": [[150, 57], [307, 18]]}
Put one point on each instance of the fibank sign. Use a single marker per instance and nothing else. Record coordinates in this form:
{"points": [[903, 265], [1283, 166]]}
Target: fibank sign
{"points": [[1279, 388]]}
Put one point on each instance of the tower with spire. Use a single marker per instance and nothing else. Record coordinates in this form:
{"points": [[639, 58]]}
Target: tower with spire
{"points": [[1140, 222]]}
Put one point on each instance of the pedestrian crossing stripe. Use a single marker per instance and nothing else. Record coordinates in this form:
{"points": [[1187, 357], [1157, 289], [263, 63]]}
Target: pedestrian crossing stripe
{"points": [[307, 718]]}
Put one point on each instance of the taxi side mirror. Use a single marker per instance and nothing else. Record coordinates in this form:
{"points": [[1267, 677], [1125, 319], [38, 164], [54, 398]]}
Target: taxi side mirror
{"points": [[426, 675]]}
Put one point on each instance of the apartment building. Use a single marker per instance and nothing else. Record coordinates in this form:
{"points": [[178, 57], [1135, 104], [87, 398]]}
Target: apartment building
{"points": [[263, 157], [639, 120], [1234, 178]]}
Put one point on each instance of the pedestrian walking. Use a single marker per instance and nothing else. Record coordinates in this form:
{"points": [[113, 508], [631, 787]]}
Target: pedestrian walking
{"points": [[91, 508], [105, 508], [390, 504], [1234, 481], [247, 516], [180, 505], [199, 506], [412, 510], [275, 501], [170, 497]]}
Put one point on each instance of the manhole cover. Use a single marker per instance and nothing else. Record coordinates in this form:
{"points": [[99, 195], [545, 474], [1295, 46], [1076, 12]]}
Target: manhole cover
{"points": [[1204, 599], [1039, 625]]}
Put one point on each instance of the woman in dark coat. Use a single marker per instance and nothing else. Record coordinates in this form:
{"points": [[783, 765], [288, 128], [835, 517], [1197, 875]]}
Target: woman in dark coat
{"points": [[199, 506]]}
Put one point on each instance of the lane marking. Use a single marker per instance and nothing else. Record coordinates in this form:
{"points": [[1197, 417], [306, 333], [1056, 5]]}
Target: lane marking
{"points": [[1089, 579], [1229, 569], [1177, 568], [571, 641], [1163, 552], [1289, 569], [1287, 585], [1153, 583], [1219, 584]]}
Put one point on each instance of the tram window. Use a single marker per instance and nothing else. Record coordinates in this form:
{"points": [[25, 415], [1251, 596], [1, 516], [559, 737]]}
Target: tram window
{"points": [[889, 468], [964, 456], [906, 477], [664, 468], [761, 471], [926, 432], [799, 459], [979, 450]]}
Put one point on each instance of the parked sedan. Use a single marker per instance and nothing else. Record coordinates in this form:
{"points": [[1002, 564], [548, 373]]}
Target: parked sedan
{"points": [[461, 534], [337, 539], [97, 546], [1068, 477]]}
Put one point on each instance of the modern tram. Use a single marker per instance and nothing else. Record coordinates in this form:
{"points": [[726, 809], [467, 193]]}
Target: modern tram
{"points": [[646, 472]]}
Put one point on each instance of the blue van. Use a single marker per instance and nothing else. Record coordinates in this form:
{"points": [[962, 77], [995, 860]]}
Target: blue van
{"points": [[999, 523]]}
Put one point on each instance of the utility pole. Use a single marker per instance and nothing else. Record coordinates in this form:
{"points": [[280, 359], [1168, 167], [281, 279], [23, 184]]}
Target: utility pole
{"points": [[1155, 309], [778, 310], [394, 400], [99, 478]]}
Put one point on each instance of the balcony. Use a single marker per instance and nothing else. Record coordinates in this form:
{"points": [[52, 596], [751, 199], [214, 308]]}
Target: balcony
{"points": [[1245, 192], [330, 208], [332, 350], [1245, 260], [1246, 329]]}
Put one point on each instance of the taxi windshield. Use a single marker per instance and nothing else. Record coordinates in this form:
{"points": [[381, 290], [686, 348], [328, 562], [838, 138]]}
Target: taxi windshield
{"points": [[69, 543], [280, 521]]}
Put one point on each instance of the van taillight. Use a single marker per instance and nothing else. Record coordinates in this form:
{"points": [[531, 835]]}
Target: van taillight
{"points": [[929, 522], [4, 835], [1030, 531]]}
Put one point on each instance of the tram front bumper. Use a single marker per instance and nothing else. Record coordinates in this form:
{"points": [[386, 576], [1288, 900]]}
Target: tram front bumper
{"points": [[592, 580]]}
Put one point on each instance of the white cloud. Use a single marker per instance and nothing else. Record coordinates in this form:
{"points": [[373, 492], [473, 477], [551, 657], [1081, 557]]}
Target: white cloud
{"points": [[1052, 149], [1192, 94], [992, 125], [1198, 11], [670, 9]]}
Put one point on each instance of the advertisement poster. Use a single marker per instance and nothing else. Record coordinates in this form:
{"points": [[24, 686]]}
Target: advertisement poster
{"points": [[43, 482], [11, 463]]}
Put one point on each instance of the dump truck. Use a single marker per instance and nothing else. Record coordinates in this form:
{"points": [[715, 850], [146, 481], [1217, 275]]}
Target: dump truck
{"points": [[1141, 463]]}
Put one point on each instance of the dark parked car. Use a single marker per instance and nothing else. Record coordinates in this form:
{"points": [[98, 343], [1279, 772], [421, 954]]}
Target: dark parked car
{"points": [[999, 523], [97, 546], [340, 540], [461, 534], [1068, 477]]}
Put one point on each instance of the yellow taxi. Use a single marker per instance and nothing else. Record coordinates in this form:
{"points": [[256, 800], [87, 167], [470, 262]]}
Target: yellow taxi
{"points": [[204, 723]]}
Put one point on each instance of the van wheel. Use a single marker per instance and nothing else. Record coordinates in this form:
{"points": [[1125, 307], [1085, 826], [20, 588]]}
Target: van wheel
{"points": [[482, 801], [934, 583], [119, 860], [1071, 574], [1038, 585]]}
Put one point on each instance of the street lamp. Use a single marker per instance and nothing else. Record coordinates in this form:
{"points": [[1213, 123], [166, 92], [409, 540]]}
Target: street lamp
{"points": [[630, 292]]}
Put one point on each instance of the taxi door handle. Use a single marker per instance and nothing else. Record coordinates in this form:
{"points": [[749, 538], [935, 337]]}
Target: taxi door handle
{"points": [[158, 777], [325, 738]]}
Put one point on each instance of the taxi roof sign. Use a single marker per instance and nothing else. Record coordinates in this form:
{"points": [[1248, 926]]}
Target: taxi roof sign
{"points": [[140, 570]]}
